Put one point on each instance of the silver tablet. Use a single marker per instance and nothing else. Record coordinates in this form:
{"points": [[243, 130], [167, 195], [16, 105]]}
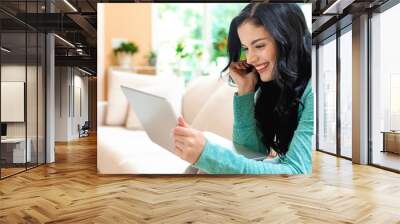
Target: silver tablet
{"points": [[155, 114], [158, 119]]}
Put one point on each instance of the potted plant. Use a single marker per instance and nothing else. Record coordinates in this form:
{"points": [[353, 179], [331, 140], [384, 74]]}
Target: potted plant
{"points": [[182, 54], [180, 50], [152, 58], [188, 59], [220, 45], [124, 53], [219, 51]]}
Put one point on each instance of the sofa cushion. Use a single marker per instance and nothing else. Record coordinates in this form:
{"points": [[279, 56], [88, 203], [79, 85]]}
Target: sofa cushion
{"points": [[123, 151], [197, 94], [217, 114], [117, 103], [101, 112]]}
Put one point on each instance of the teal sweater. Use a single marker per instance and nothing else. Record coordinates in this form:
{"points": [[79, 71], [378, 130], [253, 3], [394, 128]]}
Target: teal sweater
{"points": [[298, 160]]}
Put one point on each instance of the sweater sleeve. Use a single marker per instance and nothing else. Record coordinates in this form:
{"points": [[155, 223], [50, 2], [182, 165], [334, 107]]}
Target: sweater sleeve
{"points": [[245, 131], [298, 160]]}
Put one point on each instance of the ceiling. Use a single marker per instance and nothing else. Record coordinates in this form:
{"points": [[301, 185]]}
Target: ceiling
{"points": [[328, 16], [75, 22]]}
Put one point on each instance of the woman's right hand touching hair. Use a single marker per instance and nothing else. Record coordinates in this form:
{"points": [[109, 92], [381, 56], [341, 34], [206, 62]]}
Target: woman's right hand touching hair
{"points": [[244, 75]]}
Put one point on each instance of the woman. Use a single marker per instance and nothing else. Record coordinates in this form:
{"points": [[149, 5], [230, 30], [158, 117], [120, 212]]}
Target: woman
{"points": [[273, 107]]}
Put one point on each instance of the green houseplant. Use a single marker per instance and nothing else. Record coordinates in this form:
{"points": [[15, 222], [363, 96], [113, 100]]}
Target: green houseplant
{"points": [[220, 45], [127, 47], [180, 50], [188, 59], [152, 58], [124, 53]]}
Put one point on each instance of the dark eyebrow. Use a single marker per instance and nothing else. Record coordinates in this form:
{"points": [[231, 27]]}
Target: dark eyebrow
{"points": [[256, 40]]}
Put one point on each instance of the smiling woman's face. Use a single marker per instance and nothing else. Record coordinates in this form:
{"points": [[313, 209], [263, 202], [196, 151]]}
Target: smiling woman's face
{"points": [[260, 48]]}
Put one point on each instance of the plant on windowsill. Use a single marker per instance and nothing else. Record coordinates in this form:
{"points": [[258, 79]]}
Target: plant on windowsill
{"points": [[220, 46], [180, 53], [188, 60], [180, 50], [152, 58], [125, 52], [219, 54]]}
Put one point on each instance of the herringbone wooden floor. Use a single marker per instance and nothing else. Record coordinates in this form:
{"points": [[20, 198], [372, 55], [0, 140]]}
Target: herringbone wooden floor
{"points": [[70, 191]]}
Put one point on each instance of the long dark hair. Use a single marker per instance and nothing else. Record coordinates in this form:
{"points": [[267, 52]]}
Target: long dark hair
{"points": [[279, 100]]}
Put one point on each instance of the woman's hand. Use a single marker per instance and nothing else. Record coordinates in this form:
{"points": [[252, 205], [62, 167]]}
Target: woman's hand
{"points": [[246, 81], [189, 142]]}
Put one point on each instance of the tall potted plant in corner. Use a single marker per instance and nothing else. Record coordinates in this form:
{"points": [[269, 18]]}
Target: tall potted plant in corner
{"points": [[125, 52]]}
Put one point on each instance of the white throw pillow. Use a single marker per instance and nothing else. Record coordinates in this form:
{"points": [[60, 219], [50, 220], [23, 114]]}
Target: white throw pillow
{"points": [[217, 114], [117, 103], [197, 94], [117, 109]]}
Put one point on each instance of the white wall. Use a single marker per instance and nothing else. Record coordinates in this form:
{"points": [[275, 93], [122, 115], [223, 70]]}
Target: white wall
{"points": [[314, 85], [62, 81], [33, 126], [80, 83], [50, 94], [69, 82], [14, 73]]}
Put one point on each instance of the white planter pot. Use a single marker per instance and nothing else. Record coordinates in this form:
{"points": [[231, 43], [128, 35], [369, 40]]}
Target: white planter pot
{"points": [[124, 60]]}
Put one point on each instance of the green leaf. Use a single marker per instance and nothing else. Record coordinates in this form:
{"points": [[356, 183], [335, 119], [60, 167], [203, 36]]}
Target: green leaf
{"points": [[127, 47]]}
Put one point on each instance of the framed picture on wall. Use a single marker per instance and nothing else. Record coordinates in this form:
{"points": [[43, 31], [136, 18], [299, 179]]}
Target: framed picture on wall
{"points": [[12, 101]]}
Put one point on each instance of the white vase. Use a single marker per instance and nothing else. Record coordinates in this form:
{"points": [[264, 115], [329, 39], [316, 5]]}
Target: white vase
{"points": [[124, 60]]}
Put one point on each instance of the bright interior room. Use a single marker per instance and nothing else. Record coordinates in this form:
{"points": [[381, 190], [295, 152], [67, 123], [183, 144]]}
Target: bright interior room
{"points": [[73, 150], [48, 79], [22, 99], [339, 54], [186, 72]]}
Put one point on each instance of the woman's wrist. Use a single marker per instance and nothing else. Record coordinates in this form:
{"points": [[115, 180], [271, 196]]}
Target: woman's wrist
{"points": [[244, 91]]}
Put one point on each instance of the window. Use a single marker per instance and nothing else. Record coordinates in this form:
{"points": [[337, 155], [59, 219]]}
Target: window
{"points": [[327, 96], [188, 51], [22, 65], [197, 45], [346, 94], [385, 88]]}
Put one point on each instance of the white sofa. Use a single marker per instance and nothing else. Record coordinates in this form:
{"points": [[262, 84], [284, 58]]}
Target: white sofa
{"points": [[122, 145]]}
